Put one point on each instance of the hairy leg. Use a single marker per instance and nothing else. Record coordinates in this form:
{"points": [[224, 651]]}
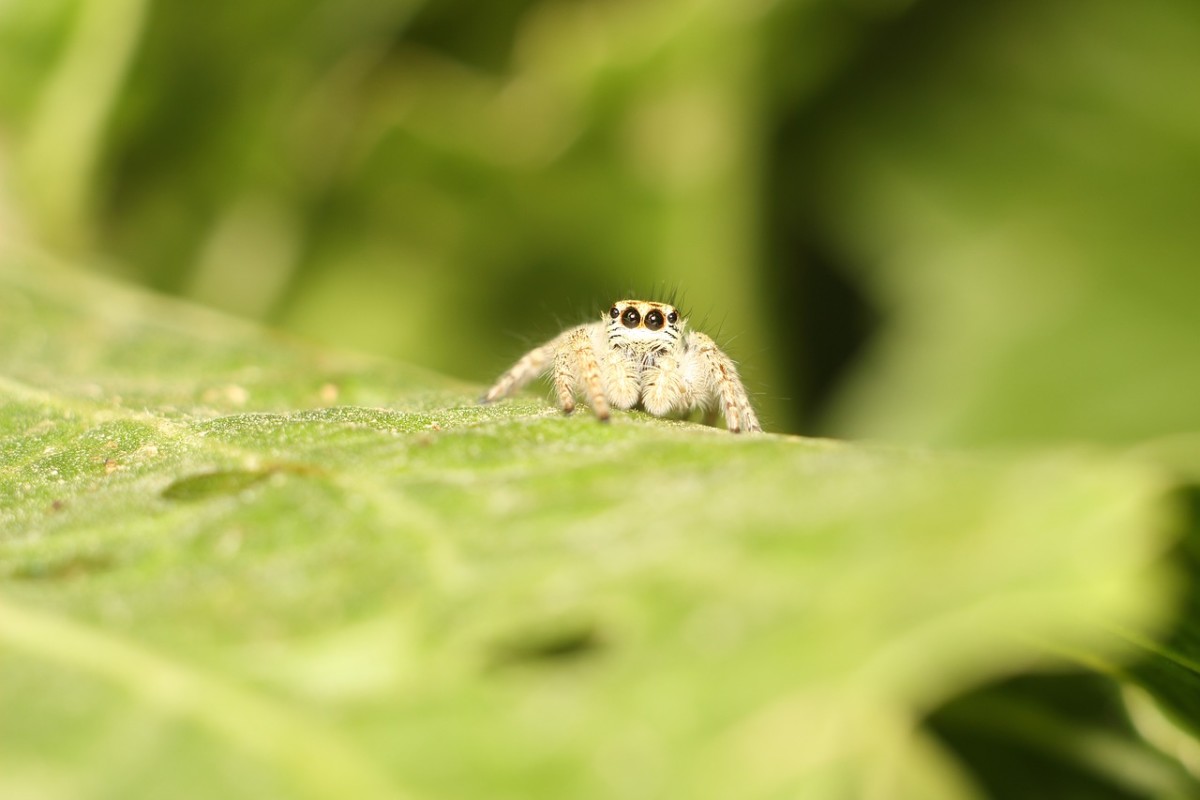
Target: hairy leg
{"points": [[622, 384], [575, 365], [665, 389], [530, 366], [713, 374]]}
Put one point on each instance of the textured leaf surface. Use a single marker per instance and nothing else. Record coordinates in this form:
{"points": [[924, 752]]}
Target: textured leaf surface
{"points": [[231, 566]]}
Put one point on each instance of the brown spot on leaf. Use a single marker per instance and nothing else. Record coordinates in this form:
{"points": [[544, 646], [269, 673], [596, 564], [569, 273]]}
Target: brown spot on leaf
{"points": [[75, 566]]}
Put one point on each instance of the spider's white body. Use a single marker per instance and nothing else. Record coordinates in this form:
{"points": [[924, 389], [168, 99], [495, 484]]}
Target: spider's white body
{"points": [[640, 353]]}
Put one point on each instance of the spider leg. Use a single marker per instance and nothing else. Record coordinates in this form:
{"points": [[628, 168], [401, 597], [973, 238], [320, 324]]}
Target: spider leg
{"points": [[622, 382], [575, 364], [665, 388], [714, 375], [530, 365]]}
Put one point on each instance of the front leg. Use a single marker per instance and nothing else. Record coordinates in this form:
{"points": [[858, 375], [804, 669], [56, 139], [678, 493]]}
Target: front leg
{"points": [[713, 374], [665, 391], [622, 381], [575, 365]]}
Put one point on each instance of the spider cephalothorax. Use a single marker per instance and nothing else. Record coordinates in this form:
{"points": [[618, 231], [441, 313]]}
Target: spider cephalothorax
{"points": [[640, 354], [643, 327]]}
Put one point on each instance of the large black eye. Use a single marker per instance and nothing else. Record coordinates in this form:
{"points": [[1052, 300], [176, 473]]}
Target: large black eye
{"points": [[654, 320], [613, 312], [672, 318], [631, 317]]}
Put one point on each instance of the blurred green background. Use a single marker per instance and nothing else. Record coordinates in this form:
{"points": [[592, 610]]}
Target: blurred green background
{"points": [[936, 221]]}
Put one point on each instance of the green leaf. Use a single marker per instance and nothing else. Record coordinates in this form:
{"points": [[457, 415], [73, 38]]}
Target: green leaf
{"points": [[1062, 735], [234, 566], [1167, 673]]}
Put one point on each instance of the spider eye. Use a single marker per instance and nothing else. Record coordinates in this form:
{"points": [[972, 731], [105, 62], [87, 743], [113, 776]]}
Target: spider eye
{"points": [[672, 318], [631, 318], [614, 312], [654, 320]]}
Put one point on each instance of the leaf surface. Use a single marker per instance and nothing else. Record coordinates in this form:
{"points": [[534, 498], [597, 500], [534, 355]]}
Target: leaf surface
{"points": [[231, 565]]}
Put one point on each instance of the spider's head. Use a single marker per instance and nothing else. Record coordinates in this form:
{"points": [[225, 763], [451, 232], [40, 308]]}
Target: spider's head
{"points": [[644, 321]]}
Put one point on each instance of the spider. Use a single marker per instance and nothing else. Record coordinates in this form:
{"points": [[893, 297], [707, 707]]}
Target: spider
{"points": [[640, 353]]}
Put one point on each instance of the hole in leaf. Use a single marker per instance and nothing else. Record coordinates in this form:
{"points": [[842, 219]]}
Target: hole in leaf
{"points": [[548, 645]]}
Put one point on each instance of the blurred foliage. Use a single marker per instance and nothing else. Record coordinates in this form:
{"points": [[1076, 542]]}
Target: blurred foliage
{"points": [[957, 224], [981, 215], [1017, 183], [422, 179]]}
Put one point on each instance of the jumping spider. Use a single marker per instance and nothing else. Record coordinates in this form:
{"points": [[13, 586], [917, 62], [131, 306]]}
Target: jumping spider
{"points": [[640, 353]]}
